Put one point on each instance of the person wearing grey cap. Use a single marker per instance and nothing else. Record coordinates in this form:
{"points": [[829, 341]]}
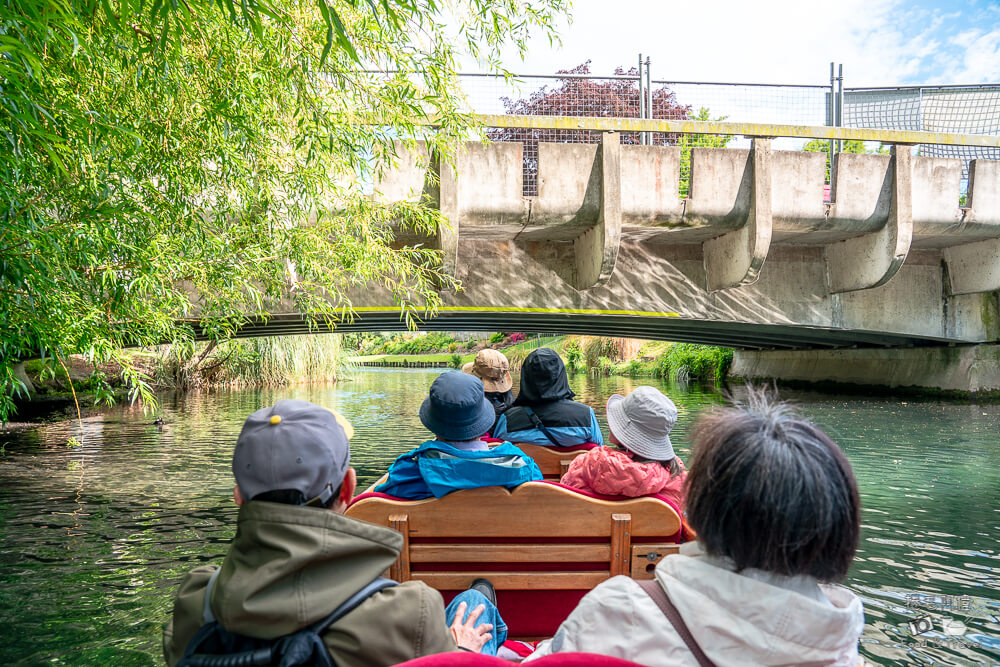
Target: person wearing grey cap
{"points": [[458, 413], [296, 560], [642, 460]]}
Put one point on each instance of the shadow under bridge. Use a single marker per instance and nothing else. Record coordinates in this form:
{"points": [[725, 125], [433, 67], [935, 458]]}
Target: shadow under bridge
{"points": [[629, 324]]}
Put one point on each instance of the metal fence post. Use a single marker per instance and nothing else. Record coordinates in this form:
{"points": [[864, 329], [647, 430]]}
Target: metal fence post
{"points": [[642, 102], [649, 102], [832, 118], [840, 103]]}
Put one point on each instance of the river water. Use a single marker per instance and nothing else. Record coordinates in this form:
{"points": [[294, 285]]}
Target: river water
{"points": [[94, 537]]}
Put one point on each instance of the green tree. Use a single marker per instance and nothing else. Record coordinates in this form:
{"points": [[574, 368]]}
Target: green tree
{"points": [[173, 168]]}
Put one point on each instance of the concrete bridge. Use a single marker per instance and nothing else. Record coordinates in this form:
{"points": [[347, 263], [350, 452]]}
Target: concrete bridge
{"points": [[891, 282]]}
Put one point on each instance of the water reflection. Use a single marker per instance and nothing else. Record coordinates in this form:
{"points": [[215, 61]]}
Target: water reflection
{"points": [[95, 537]]}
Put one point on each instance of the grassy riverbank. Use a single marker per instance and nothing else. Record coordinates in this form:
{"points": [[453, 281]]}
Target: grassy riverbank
{"points": [[591, 354], [273, 361], [289, 360]]}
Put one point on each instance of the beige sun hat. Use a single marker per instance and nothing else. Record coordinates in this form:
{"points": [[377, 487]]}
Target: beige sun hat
{"points": [[492, 367], [642, 422]]}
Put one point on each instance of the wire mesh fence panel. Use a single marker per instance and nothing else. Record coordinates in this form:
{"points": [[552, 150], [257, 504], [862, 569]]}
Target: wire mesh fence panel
{"points": [[566, 95], [957, 109], [745, 103]]}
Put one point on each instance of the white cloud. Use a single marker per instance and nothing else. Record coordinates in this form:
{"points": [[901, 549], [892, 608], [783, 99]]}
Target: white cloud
{"points": [[880, 42], [979, 58]]}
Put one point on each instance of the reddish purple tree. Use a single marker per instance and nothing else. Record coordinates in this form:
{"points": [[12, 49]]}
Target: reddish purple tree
{"points": [[600, 98]]}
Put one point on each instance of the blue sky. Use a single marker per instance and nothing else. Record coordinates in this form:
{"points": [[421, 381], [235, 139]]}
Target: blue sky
{"points": [[879, 42]]}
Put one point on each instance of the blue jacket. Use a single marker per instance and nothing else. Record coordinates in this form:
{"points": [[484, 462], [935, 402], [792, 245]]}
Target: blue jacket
{"points": [[571, 423], [436, 469]]}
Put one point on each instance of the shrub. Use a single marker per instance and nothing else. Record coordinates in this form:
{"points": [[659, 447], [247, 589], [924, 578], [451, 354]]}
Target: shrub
{"points": [[631, 368], [497, 337], [419, 344], [604, 366], [574, 355], [452, 347], [456, 361], [689, 360], [516, 338]]}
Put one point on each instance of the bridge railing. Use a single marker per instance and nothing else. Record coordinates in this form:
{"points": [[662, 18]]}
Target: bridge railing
{"points": [[531, 130], [971, 109]]}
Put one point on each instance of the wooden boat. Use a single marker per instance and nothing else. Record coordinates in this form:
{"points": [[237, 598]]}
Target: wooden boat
{"points": [[543, 545]]}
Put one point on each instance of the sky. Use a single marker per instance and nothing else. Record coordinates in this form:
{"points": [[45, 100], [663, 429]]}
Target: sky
{"points": [[879, 42]]}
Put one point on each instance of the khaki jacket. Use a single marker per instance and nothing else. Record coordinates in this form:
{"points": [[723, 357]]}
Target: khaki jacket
{"points": [[290, 566]]}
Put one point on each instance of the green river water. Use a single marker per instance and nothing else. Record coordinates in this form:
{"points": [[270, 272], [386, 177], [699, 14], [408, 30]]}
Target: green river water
{"points": [[94, 538]]}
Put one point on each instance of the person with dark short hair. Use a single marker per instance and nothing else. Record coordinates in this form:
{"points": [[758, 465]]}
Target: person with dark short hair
{"points": [[776, 508], [297, 562]]}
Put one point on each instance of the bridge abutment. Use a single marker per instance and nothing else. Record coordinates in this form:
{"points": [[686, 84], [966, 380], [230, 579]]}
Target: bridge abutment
{"points": [[971, 369]]}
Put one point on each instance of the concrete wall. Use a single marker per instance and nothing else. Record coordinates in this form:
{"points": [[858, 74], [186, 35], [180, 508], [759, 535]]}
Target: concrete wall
{"points": [[974, 368]]}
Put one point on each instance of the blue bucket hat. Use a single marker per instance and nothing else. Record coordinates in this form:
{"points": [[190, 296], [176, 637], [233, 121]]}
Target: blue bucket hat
{"points": [[457, 409]]}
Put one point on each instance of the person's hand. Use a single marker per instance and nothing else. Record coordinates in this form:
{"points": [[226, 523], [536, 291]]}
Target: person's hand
{"points": [[466, 634]]}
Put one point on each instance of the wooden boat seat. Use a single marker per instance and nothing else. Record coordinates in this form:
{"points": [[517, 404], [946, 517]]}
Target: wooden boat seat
{"points": [[554, 461], [543, 545]]}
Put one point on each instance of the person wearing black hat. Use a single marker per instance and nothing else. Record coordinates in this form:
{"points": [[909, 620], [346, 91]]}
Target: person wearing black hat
{"points": [[544, 412], [457, 412], [296, 561]]}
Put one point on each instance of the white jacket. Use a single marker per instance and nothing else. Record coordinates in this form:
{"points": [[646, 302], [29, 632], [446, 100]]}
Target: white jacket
{"points": [[738, 619]]}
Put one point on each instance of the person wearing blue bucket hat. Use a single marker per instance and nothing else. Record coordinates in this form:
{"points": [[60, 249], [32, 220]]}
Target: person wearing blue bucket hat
{"points": [[457, 412]]}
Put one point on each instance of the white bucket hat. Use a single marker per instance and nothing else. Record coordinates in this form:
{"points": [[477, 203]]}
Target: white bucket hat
{"points": [[642, 421]]}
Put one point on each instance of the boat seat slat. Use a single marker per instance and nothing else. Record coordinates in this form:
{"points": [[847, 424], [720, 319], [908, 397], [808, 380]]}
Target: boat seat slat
{"points": [[459, 581], [539, 553]]}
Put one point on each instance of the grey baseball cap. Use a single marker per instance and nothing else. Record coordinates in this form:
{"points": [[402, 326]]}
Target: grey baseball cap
{"points": [[292, 445], [642, 422]]}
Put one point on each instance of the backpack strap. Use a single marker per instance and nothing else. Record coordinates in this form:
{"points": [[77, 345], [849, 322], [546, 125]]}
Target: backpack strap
{"points": [[206, 610], [541, 427], [265, 655], [655, 591]]}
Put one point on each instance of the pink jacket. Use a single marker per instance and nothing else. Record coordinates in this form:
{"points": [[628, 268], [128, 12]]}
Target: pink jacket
{"points": [[612, 472]]}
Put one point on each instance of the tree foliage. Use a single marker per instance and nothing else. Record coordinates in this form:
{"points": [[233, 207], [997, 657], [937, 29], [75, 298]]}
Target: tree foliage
{"points": [[173, 166], [601, 98]]}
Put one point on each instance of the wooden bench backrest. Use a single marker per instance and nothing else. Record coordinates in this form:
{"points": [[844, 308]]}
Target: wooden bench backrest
{"points": [[542, 545], [526, 534], [552, 461]]}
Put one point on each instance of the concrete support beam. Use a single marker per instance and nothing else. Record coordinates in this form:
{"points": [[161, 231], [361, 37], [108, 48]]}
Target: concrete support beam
{"points": [[446, 239], [596, 250], [975, 267], [406, 179], [735, 258], [650, 184], [870, 260], [936, 215]]}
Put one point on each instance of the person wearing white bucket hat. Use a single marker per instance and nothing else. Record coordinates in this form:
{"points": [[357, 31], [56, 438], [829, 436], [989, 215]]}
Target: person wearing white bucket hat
{"points": [[643, 460]]}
